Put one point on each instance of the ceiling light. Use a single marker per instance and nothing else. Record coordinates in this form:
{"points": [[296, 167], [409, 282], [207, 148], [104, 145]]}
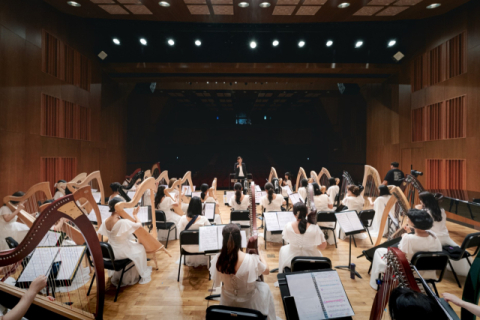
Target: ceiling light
{"points": [[116, 41], [198, 43], [301, 44], [264, 4], [433, 6], [344, 5], [243, 4], [275, 43], [253, 44], [329, 43], [171, 42], [358, 44], [143, 41], [391, 43], [74, 4], [164, 4]]}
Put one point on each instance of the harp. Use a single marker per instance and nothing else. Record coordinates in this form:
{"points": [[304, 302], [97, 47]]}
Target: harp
{"points": [[312, 211], [37, 193], [147, 174], [273, 179], [162, 179], [411, 187], [186, 180], [94, 176], [371, 182], [212, 192], [71, 302], [149, 241], [323, 176], [176, 188], [252, 245], [347, 181], [314, 177], [136, 179], [301, 175], [128, 178], [402, 206], [156, 170], [397, 274]]}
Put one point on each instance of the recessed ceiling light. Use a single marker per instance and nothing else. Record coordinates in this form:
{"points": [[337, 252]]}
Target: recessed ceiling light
{"points": [[253, 44], [171, 42], [198, 43], [243, 4], [116, 41], [275, 43], [143, 41], [391, 43], [264, 4], [74, 4], [301, 44], [433, 5], [164, 4], [329, 43], [358, 44], [344, 5]]}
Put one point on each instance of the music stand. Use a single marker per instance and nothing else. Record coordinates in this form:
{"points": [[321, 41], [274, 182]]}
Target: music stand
{"points": [[351, 227]]}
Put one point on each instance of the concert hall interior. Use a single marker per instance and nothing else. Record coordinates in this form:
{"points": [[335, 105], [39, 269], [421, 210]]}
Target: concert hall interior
{"points": [[352, 126]]}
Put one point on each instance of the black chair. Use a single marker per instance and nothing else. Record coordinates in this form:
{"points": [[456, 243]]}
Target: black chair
{"points": [[324, 216], [366, 217], [162, 224], [188, 237], [219, 312], [370, 253], [149, 218], [470, 241], [431, 261], [12, 243], [110, 263], [310, 263], [240, 215]]}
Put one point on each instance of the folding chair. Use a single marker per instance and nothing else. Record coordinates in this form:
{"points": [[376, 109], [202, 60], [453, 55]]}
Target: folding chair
{"points": [[431, 261], [324, 216], [366, 217], [470, 241], [162, 224], [188, 237]]}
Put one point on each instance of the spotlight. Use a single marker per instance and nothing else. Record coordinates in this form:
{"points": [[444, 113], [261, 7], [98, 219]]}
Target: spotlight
{"points": [[243, 4], [143, 41], [358, 44], [198, 43], [253, 44], [329, 43], [433, 6], [264, 4], [171, 42], [275, 43], [74, 4], [164, 4], [116, 41], [301, 44], [344, 5], [391, 43]]}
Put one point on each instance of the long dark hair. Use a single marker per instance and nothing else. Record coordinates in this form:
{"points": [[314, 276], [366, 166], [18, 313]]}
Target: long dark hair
{"points": [[288, 175], [232, 241], [113, 202], [160, 194], [332, 182], [17, 194], [59, 181], [383, 191], [194, 207], [316, 189], [269, 189], [430, 203], [204, 189], [238, 192], [115, 186], [420, 219], [304, 182], [300, 211]]}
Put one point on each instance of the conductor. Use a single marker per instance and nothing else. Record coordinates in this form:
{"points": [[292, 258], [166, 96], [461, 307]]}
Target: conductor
{"points": [[240, 170]]}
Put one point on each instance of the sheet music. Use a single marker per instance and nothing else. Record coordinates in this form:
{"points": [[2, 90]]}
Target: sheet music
{"points": [[228, 196], [208, 239], [209, 210], [271, 221], [257, 188], [39, 264], [97, 196], [187, 191], [302, 288], [73, 255], [287, 188], [104, 213], [259, 195], [131, 194], [220, 236], [295, 197], [333, 294], [349, 221], [197, 194], [50, 239], [285, 217]]}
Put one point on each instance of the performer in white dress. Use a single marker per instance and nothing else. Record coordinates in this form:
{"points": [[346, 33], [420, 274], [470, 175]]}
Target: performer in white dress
{"points": [[410, 244], [239, 272], [324, 203], [303, 238], [333, 189], [429, 203], [59, 191], [194, 212], [164, 203], [287, 182], [272, 201], [379, 206], [239, 201], [120, 236], [302, 191], [205, 197], [9, 227], [115, 194], [354, 202]]}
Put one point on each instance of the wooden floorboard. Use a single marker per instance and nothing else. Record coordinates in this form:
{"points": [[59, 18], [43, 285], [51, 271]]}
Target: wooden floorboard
{"points": [[165, 298]]}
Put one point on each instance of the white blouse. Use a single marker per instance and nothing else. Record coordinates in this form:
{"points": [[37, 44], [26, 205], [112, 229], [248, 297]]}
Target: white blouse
{"points": [[244, 204], [354, 203], [303, 193], [57, 195], [166, 205], [411, 244], [440, 227], [332, 192], [276, 204], [321, 202]]}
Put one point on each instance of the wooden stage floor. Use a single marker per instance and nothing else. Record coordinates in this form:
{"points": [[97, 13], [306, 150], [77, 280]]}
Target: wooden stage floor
{"points": [[165, 298]]}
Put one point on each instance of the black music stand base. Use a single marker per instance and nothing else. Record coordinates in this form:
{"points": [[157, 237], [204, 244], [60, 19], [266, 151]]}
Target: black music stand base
{"points": [[212, 297], [349, 260]]}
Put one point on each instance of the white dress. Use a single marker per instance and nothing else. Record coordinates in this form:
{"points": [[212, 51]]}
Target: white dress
{"points": [[124, 246], [379, 206], [302, 192], [244, 204], [193, 261], [166, 206], [410, 244], [353, 203], [57, 195], [321, 204], [440, 229], [332, 192], [284, 191], [217, 220], [299, 244], [242, 289], [275, 206], [146, 198], [12, 228]]}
